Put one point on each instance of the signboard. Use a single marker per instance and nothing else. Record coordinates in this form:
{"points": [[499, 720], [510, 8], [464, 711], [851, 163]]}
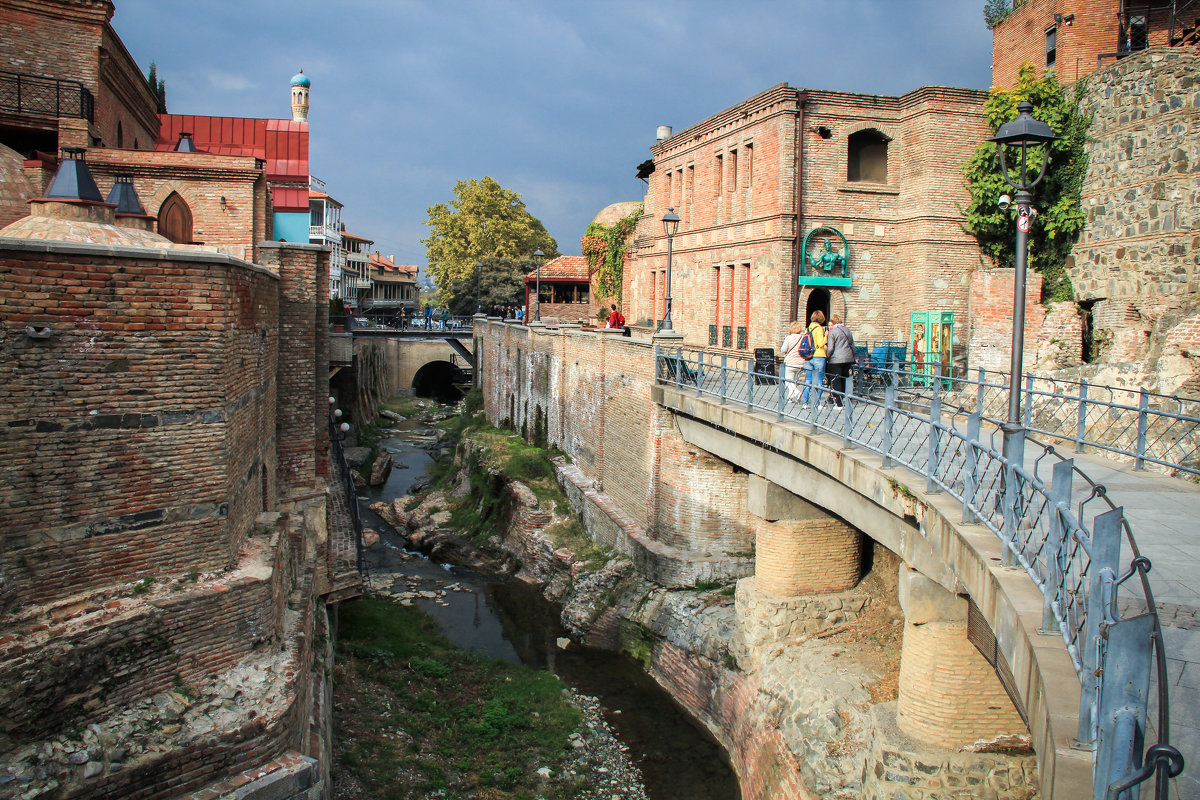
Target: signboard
{"points": [[764, 364]]}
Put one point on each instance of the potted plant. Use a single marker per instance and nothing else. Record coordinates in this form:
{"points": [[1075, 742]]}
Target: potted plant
{"points": [[337, 314]]}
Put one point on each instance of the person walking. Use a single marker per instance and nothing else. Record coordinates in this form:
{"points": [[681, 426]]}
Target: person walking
{"points": [[615, 318], [428, 316], [445, 317], [814, 368], [793, 362], [839, 357]]}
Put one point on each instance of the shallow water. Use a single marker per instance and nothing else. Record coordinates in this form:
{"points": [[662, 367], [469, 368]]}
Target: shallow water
{"points": [[511, 620]]}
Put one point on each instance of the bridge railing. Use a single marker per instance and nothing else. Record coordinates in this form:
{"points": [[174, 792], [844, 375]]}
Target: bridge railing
{"points": [[1070, 551]]}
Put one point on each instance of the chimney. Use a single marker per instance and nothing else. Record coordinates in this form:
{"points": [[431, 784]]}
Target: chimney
{"points": [[185, 144], [663, 133], [125, 197], [74, 180]]}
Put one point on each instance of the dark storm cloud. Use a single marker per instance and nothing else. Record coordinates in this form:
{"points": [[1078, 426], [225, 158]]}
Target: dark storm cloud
{"points": [[556, 100]]}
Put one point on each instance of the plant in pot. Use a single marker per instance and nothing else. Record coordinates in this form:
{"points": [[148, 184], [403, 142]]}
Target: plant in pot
{"points": [[337, 314]]}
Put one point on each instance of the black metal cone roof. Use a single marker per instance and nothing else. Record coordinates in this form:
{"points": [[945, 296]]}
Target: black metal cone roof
{"points": [[74, 180], [125, 197], [1024, 128]]}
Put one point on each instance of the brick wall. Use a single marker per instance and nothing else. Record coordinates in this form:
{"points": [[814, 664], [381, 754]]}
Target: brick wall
{"points": [[1095, 30], [121, 424], [733, 180], [303, 406], [991, 313], [794, 557]]}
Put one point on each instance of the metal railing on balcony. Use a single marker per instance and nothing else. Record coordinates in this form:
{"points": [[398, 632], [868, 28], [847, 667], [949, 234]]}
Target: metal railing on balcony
{"points": [[1069, 547], [44, 96]]}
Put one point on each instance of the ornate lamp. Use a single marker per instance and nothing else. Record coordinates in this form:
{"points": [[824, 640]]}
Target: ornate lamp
{"points": [[1022, 133], [670, 221]]}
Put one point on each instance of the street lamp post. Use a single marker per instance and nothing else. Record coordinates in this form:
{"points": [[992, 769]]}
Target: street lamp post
{"points": [[478, 295], [539, 255], [670, 221], [1022, 133]]}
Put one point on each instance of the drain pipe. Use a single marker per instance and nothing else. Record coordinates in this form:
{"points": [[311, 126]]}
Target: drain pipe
{"points": [[801, 99]]}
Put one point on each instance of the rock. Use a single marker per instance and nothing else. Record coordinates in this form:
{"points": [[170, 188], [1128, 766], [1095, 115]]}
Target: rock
{"points": [[92, 769], [357, 456], [392, 415], [381, 469], [369, 538], [544, 773], [79, 757], [562, 642], [440, 518], [359, 481]]}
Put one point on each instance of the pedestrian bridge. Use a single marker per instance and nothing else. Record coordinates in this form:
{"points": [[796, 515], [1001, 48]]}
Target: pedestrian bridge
{"points": [[1031, 543]]}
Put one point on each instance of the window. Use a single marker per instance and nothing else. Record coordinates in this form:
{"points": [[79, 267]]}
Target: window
{"points": [[749, 168], [120, 135], [1051, 45], [1138, 38], [679, 188], [653, 294], [733, 184], [866, 157], [670, 194], [720, 174]]}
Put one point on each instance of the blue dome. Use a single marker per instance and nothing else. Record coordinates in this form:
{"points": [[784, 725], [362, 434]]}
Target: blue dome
{"points": [[300, 79]]}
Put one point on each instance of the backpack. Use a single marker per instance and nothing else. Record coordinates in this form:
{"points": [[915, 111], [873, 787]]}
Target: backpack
{"points": [[807, 347]]}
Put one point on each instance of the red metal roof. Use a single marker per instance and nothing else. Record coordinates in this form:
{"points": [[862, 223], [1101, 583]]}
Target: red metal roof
{"points": [[563, 268], [282, 144], [289, 199]]}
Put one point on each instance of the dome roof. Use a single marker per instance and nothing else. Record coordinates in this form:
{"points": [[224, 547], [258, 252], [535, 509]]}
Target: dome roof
{"points": [[616, 212], [80, 222], [300, 79]]}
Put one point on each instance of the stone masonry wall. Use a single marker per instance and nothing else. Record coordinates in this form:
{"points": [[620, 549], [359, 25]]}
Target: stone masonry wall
{"points": [[1137, 262], [118, 423]]}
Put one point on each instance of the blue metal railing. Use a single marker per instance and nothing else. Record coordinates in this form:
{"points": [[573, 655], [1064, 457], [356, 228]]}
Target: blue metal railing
{"points": [[1070, 551]]}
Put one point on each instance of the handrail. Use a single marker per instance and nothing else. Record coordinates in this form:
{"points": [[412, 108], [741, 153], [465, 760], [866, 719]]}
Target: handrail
{"points": [[40, 94], [348, 487], [1076, 569]]}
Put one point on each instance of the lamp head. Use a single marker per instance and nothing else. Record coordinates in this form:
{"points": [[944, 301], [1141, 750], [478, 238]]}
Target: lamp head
{"points": [[1023, 133], [670, 221]]}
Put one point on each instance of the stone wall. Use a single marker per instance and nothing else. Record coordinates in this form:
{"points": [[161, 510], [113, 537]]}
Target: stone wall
{"points": [[1136, 262]]}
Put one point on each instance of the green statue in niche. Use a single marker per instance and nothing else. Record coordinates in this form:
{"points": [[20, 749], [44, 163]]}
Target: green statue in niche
{"points": [[827, 259]]}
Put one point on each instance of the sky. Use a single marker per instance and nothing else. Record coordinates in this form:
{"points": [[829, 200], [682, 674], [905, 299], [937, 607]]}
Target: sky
{"points": [[557, 100]]}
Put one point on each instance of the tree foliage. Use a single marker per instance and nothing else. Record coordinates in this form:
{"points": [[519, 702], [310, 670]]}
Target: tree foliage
{"points": [[1057, 198], [604, 248], [483, 221], [995, 11], [158, 88], [501, 282]]}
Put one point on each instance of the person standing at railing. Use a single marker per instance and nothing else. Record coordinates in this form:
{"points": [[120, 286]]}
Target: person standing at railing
{"points": [[793, 362], [814, 368], [839, 357]]}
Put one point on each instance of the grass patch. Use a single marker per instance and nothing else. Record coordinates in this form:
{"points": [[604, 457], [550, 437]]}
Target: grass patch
{"points": [[420, 716], [406, 406], [572, 536]]}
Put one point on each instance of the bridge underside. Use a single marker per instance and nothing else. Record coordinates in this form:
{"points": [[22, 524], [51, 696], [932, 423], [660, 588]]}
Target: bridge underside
{"points": [[892, 507]]}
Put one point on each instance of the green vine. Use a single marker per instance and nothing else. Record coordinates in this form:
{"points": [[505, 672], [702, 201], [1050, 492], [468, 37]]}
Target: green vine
{"points": [[604, 248], [1057, 198]]}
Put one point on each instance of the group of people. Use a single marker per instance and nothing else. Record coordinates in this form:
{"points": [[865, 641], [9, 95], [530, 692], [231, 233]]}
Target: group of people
{"points": [[507, 312], [819, 354]]}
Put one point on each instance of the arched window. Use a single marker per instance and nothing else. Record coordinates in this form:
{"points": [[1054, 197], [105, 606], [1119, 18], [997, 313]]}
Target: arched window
{"points": [[120, 135], [866, 157], [175, 220]]}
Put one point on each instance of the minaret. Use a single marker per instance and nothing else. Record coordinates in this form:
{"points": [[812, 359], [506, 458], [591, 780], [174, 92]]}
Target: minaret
{"points": [[300, 84]]}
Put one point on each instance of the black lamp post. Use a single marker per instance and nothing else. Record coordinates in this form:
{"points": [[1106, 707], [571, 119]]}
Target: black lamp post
{"points": [[478, 295], [1021, 133], [539, 255], [670, 221]]}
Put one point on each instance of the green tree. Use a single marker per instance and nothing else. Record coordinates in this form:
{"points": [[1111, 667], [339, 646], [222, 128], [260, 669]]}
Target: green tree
{"points": [[501, 283], [159, 88], [1057, 198], [483, 221], [995, 11]]}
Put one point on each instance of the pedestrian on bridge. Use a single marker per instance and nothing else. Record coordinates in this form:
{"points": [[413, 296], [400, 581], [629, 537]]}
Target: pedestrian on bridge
{"points": [[793, 362], [814, 368], [839, 357]]}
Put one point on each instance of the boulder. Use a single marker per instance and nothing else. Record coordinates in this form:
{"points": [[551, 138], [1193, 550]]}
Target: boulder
{"points": [[381, 469], [369, 538], [357, 456]]}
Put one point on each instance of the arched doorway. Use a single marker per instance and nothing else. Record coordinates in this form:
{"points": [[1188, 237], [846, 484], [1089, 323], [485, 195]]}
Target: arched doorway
{"points": [[818, 300], [175, 219]]}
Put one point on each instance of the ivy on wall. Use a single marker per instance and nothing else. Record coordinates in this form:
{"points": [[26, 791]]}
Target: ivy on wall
{"points": [[1057, 198], [604, 248]]}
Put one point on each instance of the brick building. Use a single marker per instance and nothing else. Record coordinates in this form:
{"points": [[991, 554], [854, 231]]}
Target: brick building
{"points": [[1079, 37], [565, 291], [760, 187]]}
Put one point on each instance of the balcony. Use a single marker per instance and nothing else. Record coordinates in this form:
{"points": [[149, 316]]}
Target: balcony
{"points": [[38, 95]]}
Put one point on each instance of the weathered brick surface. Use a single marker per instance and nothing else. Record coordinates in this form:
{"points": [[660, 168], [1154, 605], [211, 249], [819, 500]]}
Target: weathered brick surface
{"points": [[793, 557], [738, 245], [143, 423], [1094, 30]]}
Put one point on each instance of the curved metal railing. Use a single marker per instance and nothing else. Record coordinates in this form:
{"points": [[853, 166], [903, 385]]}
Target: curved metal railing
{"points": [[1070, 551]]}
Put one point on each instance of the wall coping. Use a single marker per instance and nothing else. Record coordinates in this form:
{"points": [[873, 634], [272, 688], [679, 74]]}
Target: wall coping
{"points": [[190, 254]]}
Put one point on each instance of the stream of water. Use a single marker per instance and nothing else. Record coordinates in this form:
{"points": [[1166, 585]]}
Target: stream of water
{"points": [[511, 620]]}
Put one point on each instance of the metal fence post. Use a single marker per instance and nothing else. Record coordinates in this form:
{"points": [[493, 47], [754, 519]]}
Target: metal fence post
{"points": [[970, 474], [699, 372], [679, 368], [1143, 408], [1060, 503], [750, 386], [724, 377], [657, 362], [979, 390], [1028, 400], [848, 413], [1014, 456], [1081, 421], [1102, 598], [782, 394], [935, 421], [889, 409]]}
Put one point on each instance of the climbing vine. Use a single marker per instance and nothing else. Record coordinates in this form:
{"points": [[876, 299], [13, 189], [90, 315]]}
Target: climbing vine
{"points": [[1057, 198], [604, 248]]}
